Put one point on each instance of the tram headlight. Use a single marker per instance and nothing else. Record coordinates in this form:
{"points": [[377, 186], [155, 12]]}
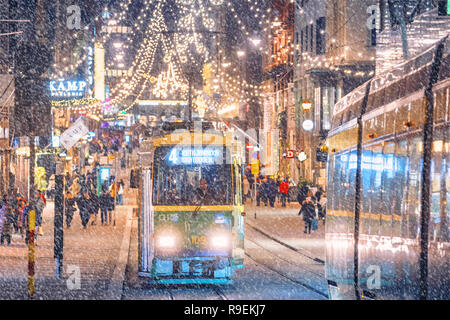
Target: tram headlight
{"points": [[166, 242], [220, 242]]}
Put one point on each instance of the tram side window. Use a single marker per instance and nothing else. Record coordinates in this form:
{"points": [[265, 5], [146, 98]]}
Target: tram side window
{"points": [[366, 180], [391, 189], [439, 213], [398, 188], [412, 207], [349, 199]]}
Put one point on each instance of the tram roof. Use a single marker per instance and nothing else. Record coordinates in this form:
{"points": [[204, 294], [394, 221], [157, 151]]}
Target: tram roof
{"points": [[385, 79]]}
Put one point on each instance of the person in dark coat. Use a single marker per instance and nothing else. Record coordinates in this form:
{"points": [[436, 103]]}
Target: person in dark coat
{"points": [[308, 211], [272, 191], [302, 193], [83, 202], [6, 221], [104, 200], [69, 208], [94, 205], [263, 191]]}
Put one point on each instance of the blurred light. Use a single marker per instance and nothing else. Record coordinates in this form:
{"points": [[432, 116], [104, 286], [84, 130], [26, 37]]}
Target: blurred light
{"points": [[220, 241], [166, 242], [241, 53]]}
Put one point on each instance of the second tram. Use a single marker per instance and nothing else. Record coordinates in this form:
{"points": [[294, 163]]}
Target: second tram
{"points": [[388, 211]]}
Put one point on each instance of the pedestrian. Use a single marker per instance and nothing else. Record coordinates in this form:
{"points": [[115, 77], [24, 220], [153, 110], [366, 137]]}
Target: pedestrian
{"points": [[246, 189], [120, 192], [39, 210], [105, 199], [22, 207], [308, 211], [83, 205], [284, 189], [111, 206], [69, 208], [302, 193], [272, 191], [318, 195], [6, 221], [25, 220], [94, 206]]}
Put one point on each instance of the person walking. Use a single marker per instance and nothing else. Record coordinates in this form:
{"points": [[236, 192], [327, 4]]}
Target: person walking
{"points": [[104, 199], [284, 189], [94, 205], [308, 211], [120, 192], [272, 191], [6, 220], [40, 206], [25, 220], [83, 205], [69, 208], [302, 193]]}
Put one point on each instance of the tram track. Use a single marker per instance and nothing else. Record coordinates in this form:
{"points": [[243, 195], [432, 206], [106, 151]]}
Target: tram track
{"points": [[285, 276], [285, 260], [299, 251]]}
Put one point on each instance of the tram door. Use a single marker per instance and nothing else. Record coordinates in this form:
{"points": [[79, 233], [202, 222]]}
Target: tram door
{"points": [[238, 219]]}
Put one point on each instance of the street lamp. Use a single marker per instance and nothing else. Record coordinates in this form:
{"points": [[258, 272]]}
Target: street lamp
{"points": [[256, 42], [241, 53]]}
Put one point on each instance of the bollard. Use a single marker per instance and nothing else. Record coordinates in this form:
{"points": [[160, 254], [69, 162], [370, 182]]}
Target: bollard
{"points": [[31, 253]]}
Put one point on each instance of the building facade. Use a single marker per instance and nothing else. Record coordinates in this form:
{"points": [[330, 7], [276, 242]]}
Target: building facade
{"points": [[334, 53]]}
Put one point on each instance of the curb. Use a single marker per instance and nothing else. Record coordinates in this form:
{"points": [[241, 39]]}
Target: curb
{"points": [[118, 278]]}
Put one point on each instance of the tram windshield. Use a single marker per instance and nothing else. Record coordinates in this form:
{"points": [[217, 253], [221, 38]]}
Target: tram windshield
{"points": [[185, 175]]}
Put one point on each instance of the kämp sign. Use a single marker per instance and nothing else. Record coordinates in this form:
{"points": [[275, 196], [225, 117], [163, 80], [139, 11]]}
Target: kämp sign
{"points": [[72, 135]]}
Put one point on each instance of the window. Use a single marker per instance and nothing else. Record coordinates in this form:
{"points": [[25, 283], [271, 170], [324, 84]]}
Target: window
{"points": [[311, 48], [320, 35], [306, 38], [328, 96], [179, 171]]}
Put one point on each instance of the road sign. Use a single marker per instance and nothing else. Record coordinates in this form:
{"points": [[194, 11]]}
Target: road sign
{"points": [[255, 155], [290, 154], [72, 135]]}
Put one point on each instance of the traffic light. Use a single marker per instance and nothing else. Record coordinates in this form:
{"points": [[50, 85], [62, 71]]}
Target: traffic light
{"points": [[444, 7]]}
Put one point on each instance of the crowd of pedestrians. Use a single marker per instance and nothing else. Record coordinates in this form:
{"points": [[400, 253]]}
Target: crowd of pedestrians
{"points": [[270, 191], [15, 215], [83, 193]]}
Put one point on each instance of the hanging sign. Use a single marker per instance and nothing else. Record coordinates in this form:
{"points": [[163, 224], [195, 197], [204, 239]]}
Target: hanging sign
{"points": [[72, 135]]}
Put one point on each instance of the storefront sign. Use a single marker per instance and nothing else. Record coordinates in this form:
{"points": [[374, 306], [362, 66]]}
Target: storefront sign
{"points": [[67, 89], [307, 105]]}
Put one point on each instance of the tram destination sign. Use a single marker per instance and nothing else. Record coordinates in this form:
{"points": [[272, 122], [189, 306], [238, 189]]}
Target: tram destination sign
{"points": [[195, 156]]}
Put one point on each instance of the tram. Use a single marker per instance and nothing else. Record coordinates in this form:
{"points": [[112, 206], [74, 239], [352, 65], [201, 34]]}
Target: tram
{"points": [[388, 210], [191, 215]]}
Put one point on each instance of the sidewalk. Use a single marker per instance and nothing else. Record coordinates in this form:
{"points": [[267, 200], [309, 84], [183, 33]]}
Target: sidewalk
{"points": [[284, 224], [94, 261]]}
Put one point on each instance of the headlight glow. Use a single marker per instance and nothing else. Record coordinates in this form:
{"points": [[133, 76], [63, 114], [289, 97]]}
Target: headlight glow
{"points": [[220, 242], [166, 242]]}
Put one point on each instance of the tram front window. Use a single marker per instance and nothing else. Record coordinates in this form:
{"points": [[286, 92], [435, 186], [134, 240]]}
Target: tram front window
{"points": [[191, 176]]}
